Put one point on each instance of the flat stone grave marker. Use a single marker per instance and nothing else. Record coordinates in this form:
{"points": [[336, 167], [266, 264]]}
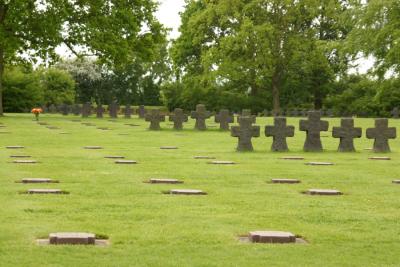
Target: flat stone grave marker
{"points": [[313, 126], [125, 162], [316, 163], [52, 127], [285, 181], [396, 181], [37, 180], [271, 237], [45, 191], [224, 117], [346, 132], [222, 162], [164, 181], [381, 135], [292, 158], [132, 124], [73, 239], [15, 147], [280, 131], [104, 128], [245, 132], [379, 158], [168, 147], [88, 124], [93, 147], [64, 133], [186, 192], [178, 117], [200, 115], [154, 117], [25, 161], [123, 134], [323, 192], [20, 156], [114, 157], [204, 157]]}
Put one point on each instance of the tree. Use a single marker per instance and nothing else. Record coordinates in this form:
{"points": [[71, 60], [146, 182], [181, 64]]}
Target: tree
{"points": [[58, 87], [113, 31]]}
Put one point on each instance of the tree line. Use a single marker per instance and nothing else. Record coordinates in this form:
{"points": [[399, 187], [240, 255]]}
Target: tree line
{"points": [[235, 54]]}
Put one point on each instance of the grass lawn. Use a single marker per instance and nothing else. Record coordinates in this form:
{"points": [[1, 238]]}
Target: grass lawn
{"points": [[148, 228]]}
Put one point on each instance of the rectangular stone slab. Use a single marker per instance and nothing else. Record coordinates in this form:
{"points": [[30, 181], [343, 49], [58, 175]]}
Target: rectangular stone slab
{"points": [[222, 162], [203, 157], [37, 180], [293, 158], [164, 181], [271, 237], [14, 147], [324, 192], [25, 161], [396, 181], [379, 158], [44, 191], [20, 156], [125, 161], [285, 181], [186, 192], [93, 147], [319, 163], [114, 157], [168, 147], [72, 239]]}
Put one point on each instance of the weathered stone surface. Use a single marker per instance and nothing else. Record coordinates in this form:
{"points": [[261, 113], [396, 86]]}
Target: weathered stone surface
{"points": [[76, 109], [88, 124], [128, 111], [113, 110], [64, 109], [168, 147], [285, 181], [381, 135], [245, 131], [186, 192], [247, 113], [20, 156], [37, 180], [114, 157], [315, 163], [292, 158], [279, 132], [271, 237], [224, 117], [379, 158], [313, 126], [323, 192], [52, 127], [396, 181], [222, 162], [125, 162], [141, 112], [164, 181], [395, 113], [346, 132], [93, 147], [178, 117], [15, 147], [103, 128], [203, 157], [72, 239], [25, 161], [99, 111], [45, 191], [201, 114], [86, 110], [154, 117]]}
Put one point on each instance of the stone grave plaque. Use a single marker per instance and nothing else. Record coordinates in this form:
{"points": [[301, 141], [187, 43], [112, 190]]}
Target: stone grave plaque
{"points": [[37, 180], [20, 156], [315, 163], [222, 162], [224, 117], [379, 158], [186, 192], [178, 117], [346, 132], [72, 239], [114, 157], [93, 147], [245, 132], [271, 237], [204, 157], [280, 131], [292, 158], [25, 161], [164, 181], [285, 181], [313, 126], [125, 162], [396, 181], [15, 147], [168, 147], [154, 117], [381, 135], [45, 191], [323, 192]]}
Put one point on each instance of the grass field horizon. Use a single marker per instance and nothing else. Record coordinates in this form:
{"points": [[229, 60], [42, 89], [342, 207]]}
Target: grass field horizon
{"points": [[148, 228]]}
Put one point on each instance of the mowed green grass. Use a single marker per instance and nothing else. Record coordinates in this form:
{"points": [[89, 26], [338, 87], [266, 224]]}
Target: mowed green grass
{"points": [[148, 228]]}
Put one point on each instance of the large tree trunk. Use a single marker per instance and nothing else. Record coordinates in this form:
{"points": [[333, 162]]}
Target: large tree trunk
{"points": [[1, 79], [275, 93], [318, 99]]}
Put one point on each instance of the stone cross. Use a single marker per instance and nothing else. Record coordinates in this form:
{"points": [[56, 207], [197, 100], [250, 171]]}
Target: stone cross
{"points": [[76, 109], [395, 113], [154, 117], [245, 131], [313, 126], [86, 110], [201, 114], [279, 132], [381, 133], [128, 111], [224, 118], [346, 132], [99, 111], [178, 118], [294, 113], [141, 112], [247, 113], [64, 108], [113, 110]]}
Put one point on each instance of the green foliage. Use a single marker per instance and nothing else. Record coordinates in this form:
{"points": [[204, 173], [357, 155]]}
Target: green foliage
{"points": [[58, 87]]}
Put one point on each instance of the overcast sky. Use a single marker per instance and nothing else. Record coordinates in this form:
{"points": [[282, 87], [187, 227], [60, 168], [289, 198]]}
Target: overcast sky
{"points": [[168, 14]]}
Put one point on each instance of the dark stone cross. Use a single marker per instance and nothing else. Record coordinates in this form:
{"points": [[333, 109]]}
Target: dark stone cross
{"points": [[245, 131], [294, 113], [313, 126], [99, 111], [128, 111], [141, 112], [113, 110], [381, 133], [224, 118], [395, 113], [247, 113], [346, 132], [154, 117], [64, 109], [76, 109], [279, 132], [86, 110], [201, 114], [178, 118]]}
